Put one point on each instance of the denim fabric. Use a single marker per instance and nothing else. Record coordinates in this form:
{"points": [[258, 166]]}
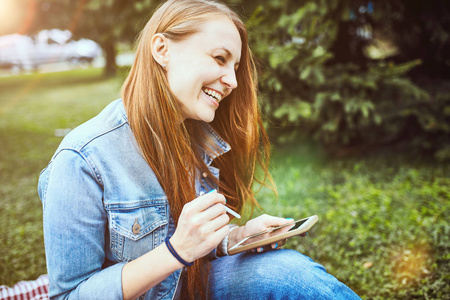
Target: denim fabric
{"points": [[278, 274], [95, 190]]}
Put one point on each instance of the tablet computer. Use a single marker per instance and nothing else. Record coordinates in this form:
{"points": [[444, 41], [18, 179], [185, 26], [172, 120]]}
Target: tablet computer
{"points": [[273, 235]]}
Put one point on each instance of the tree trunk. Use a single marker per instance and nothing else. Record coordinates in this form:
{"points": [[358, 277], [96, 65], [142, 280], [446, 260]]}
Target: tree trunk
{"points": [[108, 46]]}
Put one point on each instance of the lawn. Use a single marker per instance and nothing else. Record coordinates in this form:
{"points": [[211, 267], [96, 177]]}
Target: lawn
{"points": [[383, 227], [32, 107]]}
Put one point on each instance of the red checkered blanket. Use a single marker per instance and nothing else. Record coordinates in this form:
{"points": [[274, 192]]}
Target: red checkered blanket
{"points": [[26, 290]]}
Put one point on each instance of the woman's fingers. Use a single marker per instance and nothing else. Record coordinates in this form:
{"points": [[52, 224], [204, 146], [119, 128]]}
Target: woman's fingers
{"points": [[220, 234], [205, 201], [211, 199], [276, 221], [278, 244], [271, 221], [213, 212], [214, 216], [219, 222], [207, 222], [201, 226], [273, 246], [193, 210]]}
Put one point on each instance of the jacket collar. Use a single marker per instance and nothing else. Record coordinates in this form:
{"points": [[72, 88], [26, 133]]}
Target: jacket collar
{"points": [[214, 141]]}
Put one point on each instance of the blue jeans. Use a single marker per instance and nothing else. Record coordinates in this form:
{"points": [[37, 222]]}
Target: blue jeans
{"points": [[278, 274]]}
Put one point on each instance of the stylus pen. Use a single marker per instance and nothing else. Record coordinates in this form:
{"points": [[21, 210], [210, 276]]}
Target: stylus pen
{"points": [[229, 210]]}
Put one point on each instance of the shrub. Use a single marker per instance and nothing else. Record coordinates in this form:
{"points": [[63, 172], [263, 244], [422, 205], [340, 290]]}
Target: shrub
{"points": [[347, 106]]}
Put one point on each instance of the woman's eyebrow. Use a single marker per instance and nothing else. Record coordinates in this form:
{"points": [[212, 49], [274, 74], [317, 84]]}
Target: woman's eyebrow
{"points": [[228, 52]]}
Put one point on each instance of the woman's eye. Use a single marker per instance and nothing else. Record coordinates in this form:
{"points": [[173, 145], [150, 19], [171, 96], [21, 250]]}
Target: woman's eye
{"points": [[220, 59]]}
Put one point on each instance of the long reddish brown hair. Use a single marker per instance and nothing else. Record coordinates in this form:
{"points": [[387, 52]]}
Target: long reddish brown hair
{"points": [[172, 149]]}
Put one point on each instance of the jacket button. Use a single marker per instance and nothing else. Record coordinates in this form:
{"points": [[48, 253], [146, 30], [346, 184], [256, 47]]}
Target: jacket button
{"points": [[136, 227], [205, 174]]}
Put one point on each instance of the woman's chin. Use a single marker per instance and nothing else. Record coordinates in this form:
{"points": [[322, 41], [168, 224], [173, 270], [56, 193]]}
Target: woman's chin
{"points": [[208, 118]]}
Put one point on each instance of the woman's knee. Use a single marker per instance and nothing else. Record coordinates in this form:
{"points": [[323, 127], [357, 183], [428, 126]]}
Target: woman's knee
{"points": [[286, 271], [279, 263], [281, 274]]}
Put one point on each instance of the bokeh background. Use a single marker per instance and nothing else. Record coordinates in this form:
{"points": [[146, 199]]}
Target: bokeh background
{"points": [[356, 99]]}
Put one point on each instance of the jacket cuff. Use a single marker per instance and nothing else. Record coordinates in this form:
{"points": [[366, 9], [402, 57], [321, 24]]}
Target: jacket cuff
{"points": [[222, 248]]}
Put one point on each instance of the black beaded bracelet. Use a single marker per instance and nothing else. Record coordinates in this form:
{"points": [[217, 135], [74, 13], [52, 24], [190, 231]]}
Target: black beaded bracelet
{"points": [[175, 254]]}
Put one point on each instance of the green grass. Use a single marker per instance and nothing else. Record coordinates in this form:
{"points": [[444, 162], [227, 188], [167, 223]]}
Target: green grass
{"points": [[384, 220], [31, 108], [383, 227]]}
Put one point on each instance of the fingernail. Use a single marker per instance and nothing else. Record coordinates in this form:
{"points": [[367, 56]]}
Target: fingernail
{"points": [[289, 219], [253, 250], [213, 191], [260, 249], [276, 246]]}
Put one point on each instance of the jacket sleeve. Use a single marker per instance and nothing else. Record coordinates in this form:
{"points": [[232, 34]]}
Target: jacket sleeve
{"points": [[75, 224]]}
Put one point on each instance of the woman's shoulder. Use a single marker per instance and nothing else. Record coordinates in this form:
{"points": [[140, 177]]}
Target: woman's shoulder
{"points": [[105, 127]]}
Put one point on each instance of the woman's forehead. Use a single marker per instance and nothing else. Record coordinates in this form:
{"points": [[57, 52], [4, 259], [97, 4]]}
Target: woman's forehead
{"points": [[220, 33]]}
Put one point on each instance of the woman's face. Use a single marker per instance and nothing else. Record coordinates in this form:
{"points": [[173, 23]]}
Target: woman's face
{"points": [[202, 68]]}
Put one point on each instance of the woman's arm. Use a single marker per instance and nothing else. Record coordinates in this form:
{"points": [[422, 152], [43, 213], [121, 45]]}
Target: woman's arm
{"points": [[75, 223], [201, 227], [145, 272]]}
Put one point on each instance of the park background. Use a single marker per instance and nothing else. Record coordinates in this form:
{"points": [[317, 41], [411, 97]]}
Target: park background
{"points": [[356, 98]]}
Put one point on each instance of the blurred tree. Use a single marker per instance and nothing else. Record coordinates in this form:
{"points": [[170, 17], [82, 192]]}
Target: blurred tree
{"points": [[355, 30], [420, 29], [104, 21], [317, 79]]}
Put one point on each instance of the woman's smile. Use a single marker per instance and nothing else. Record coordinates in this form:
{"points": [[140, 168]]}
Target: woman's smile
{"points": [[213, 93], [213, 96]]}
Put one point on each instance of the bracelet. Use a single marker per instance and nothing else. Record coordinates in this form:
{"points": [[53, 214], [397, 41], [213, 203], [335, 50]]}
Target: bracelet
{"points": [[223, 246], [175, 254]]}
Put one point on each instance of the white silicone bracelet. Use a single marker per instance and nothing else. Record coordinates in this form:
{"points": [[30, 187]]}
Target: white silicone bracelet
{"points": [[223, 246]]}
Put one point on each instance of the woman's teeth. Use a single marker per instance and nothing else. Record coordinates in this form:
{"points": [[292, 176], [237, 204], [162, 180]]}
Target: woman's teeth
{"points": [[213, 94]]}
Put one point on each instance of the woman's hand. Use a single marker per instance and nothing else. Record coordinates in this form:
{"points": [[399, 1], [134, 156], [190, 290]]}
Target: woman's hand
{"points": [[201, 226], [256, 225]]}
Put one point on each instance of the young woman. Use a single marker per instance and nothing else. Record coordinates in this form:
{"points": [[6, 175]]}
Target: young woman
{"points": [[127, 208]]}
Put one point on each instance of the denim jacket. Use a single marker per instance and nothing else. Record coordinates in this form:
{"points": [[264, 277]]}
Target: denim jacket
{"points": [[103, 206]]}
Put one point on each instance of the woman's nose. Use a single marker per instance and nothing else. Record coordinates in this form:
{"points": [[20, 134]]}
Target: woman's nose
{"points": [[229, 79]]}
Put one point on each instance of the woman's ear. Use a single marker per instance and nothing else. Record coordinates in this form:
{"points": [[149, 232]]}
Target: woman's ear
{"points": [[160, 49]]}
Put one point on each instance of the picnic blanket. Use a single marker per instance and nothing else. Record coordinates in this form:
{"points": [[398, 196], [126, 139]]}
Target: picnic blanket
{"points": [[26, 290]]}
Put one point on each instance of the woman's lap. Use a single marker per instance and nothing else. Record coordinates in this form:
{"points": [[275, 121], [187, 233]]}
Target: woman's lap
{"points": [[278, 274]]}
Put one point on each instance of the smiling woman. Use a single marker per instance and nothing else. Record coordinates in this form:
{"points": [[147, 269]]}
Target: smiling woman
{"points": [[129, 203]]}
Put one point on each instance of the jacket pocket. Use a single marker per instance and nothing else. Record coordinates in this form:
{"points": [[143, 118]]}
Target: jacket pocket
{"points": [[137, 228]]}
